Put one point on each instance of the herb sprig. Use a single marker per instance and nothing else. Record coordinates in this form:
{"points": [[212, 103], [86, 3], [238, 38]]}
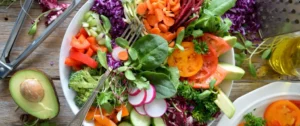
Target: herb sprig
{"points": [[200, 47]]}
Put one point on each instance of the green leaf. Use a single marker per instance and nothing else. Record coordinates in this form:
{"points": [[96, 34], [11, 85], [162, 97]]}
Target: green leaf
{"points": [[129, 75], [33, 28], [127, 63], [122, 68], [266, 54], [163, 84], [239, 46], [106, 23], [170, 51], [252, 70], [108, 43], [180, 37], [133, 54], [179, 47], [248, 44], [212, 84], [240, 58], [197, 33], [152, 51], [108, 107], [122, 42], [219, 7], [141, 83], [102, 59], [174, 76]]}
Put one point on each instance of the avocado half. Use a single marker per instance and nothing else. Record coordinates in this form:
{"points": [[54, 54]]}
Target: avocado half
{"points": [[34, 92]]}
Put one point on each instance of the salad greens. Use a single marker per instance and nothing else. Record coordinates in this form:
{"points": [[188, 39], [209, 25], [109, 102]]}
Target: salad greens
{"points": [[251, 120]]}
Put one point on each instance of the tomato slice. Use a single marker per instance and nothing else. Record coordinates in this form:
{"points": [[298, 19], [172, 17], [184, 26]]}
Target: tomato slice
{"points": [[188, 61], [80, 43], [84, 59], [210, 63], [219, 76], [282, 113], [219, 44]]}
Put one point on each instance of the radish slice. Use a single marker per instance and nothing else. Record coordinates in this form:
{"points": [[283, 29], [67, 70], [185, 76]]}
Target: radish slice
{"points": [[133, 91], [156, 108], [140, 110], [139, 99], [116, 51], [151, 94]]}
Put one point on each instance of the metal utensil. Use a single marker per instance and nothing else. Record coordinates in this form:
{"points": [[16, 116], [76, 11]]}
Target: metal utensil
{"points": [[6, 66], [80, 116], [278, 17]]}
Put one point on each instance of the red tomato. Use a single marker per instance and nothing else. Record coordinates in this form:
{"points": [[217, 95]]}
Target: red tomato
{"points": [[219, 44], [80, 43], [210, 63], [84, 59], [219, 76]]}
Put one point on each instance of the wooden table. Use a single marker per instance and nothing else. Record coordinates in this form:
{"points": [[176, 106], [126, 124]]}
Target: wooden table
{"points": [[46, 57]]}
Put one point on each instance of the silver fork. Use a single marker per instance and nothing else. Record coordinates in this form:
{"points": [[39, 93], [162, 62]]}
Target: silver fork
{"points": [[79, 117]]}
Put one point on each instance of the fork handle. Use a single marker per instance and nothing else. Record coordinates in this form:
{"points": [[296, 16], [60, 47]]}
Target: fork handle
{"points": [[79, 117]]}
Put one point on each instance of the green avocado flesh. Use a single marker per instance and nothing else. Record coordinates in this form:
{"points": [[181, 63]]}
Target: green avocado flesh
{"points": [[43, 106]]}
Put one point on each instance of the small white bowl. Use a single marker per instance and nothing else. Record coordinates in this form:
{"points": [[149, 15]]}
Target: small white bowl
{"points": [[260, 99], [64, 70]]}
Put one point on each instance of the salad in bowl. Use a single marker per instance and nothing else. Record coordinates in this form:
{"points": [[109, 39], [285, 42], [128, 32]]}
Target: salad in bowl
{"points": [[170, 62]]}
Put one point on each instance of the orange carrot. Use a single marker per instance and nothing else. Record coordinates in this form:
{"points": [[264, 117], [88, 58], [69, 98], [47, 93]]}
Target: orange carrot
{"points": [[170, 36], [173, 2], [90, 115], [172, 44], [103, 121], [179, 30], [149, 6], [152, 20], [154, 5], [124, 111], [163, 27], [123, 55], [176, 7], [141, 8], [168, 21], [159, 14], [155, 31], [168, 5], [146, 24], [160, 5]]}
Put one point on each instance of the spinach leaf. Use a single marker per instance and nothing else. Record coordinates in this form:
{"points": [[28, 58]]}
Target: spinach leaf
{"points": [[152, 51], [174, 76], [133, 53], [129, 75], [163, 85], [219, 7], [102, 59], [141, 82]]}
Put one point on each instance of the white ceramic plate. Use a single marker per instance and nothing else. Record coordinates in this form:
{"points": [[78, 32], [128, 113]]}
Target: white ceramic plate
{"points": [[259, 100], [64, 70]]}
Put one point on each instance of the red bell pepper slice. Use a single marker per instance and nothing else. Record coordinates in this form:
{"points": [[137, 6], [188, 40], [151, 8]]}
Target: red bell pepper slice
{"points": [[80, 43], [84, 58]]}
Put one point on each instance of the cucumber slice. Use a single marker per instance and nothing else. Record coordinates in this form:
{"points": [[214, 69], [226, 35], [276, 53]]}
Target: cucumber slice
{"points": [[231, 40], [125, 124], [224, 103], [139, 120], [234, 72], [158, 122]]}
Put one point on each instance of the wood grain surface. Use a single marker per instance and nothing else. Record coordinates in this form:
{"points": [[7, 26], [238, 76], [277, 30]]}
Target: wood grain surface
{"points": [[46, 58]]}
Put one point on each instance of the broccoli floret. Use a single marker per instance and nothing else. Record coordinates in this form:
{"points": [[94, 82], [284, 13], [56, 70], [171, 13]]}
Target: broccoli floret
{"points": [[93, 72], [82, 79], [82, 96]]}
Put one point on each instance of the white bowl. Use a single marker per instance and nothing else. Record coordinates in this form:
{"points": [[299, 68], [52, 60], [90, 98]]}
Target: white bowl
{"points": [[260, 99], [64, 70]]}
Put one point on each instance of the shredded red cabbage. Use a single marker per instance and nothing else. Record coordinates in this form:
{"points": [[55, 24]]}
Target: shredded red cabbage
{"points": [[112, 9], [244, 19], [52, 5]]}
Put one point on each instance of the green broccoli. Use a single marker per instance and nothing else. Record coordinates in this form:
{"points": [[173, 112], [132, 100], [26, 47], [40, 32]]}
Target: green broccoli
{"points": [[82, 79], [82, 96]]}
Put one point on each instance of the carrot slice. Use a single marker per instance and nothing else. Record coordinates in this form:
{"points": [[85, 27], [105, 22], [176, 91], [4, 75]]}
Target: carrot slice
{"points": [[146, 24], [123, 55], [154, 5], [168, 21], [149, 6], [173, 2], [141, 8], [172, 44], [176, 7], [160, 5], [159, 14], [152, 20], [163, 27], [155, 31], [179, 30], [90, 115], [124, 111], [103, 121], [170, 36]]}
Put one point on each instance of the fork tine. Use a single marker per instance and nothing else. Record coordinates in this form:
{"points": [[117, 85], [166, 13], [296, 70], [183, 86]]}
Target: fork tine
{"points": [[129, 33], [125, 32], [136, 34]]}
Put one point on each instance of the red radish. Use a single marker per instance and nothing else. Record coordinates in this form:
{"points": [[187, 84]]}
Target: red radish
{"points": [[156, 108], [139, 99], [151, 94], [116, 51], [140, 110], [133, 91]]}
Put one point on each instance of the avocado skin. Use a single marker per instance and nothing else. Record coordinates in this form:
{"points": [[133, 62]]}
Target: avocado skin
{"points": [[51, 82]]}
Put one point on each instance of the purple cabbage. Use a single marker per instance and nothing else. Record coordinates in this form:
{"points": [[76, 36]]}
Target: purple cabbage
{"points": [[244, 19], [112, 9], [58, 9], [112, 62]]}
